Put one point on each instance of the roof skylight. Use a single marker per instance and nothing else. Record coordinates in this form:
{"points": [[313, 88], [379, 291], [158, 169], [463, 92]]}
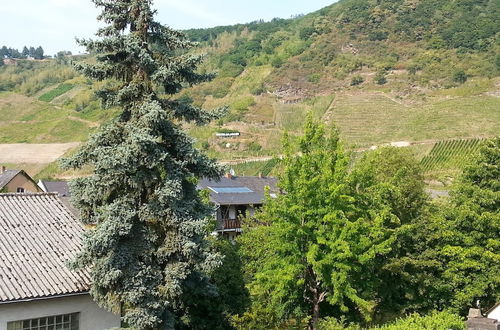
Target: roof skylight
{"points": [[230, 190]]}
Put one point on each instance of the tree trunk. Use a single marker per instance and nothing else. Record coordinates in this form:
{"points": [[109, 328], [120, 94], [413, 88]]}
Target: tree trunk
{"points": [[313, 324], [317, 298]]}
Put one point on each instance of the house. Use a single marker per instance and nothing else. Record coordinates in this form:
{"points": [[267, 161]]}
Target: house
{"points": [[236, 197], [494, 312], [16, 181], [476, 321], [38, 236]]}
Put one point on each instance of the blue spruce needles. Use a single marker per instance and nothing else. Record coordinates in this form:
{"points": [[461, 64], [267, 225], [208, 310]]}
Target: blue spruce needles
{"points": [[145, 245]]}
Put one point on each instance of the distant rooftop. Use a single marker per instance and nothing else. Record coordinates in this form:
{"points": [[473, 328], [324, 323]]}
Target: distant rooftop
{"points": [[239, 190], [6, 176], [60, 187]]}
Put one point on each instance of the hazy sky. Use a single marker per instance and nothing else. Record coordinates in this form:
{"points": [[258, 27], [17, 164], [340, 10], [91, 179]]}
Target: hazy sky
{"points": [[54, 24]]}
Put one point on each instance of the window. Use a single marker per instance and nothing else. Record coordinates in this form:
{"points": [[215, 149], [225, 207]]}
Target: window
{"points": [[57, 322], [20, 190]]}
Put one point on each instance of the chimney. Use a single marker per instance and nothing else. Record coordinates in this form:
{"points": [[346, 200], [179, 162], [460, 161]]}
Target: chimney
{"points": [[2, 169]]}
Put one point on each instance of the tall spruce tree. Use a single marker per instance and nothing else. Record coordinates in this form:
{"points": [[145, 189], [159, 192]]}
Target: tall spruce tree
{"points": [[145, 244]]}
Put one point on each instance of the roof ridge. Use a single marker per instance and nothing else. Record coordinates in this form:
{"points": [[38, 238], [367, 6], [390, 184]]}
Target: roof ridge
{"points": [[30, 194]]}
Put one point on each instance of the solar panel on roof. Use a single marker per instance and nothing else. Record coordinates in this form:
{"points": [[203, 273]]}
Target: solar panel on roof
{"points": [[230, 190]]}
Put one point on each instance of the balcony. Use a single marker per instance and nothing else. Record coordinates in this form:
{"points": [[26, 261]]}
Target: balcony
{"points": [[231, 225]]}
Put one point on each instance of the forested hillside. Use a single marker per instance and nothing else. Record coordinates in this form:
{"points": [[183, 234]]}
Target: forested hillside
{"points": [[383, 71]]}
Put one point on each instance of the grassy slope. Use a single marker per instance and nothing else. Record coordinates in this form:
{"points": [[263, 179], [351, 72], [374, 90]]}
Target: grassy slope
{"points": [[271, 76]]}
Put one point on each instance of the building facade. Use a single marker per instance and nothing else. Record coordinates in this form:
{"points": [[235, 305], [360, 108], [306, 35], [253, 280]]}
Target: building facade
{"points": [[236, 197], [16, 181]]}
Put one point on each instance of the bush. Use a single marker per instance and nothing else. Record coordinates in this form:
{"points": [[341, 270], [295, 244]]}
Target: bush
{"points": [[378, 35], [257, 89], [435, 321], [243, 104], [229, 69], [277, 62], [380, 78], [413, 68], [254, 146], [357, 80], [459, 76], [306, 32], [205, 145], [314, 78]]}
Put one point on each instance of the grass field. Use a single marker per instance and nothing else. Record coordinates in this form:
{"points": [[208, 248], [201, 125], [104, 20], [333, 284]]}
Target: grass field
{"points": [[58, 91], [25, 119]]}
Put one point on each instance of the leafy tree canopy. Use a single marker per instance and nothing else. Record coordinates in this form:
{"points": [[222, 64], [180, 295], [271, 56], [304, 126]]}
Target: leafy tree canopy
{"points": [[317, 243], [453, 250]]}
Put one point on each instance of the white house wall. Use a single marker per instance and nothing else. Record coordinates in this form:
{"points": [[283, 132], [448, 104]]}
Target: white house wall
{"points": [[495, 313], [91, 316]]}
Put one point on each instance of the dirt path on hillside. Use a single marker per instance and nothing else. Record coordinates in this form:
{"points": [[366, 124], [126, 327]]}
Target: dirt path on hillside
{"points": [[89, 123], [33, 153]]}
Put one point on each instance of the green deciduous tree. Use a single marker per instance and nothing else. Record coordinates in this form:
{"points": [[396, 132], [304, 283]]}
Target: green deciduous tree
{"points": [[393, 177], [390, 178], [229, 278], [453, 252], [316, 243], [145, 246]]}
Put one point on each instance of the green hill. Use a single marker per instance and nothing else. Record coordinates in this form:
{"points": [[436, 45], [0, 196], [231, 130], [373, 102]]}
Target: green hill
{"points": [[381, 70]]}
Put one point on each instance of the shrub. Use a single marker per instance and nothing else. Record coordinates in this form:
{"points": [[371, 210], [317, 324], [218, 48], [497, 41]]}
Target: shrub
{"points": [[229, 69], [277, 62], [380, 78], [243, 104], [205, 145], [314, 78], [257, 89], [254, 146], [436, 321], [413, 68], [459, 76], [357, 80], [378, 35], [306, 32]]}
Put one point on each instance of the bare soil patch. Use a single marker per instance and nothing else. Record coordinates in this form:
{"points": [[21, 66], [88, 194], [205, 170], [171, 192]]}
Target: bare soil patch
{"points": [[33, 153]]}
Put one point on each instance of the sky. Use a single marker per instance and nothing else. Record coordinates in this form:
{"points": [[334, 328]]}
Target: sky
{"points": [[54, 24]]}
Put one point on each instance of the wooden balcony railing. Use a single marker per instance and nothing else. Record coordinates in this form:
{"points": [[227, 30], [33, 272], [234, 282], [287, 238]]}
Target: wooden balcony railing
{"points": [[231, 224]]}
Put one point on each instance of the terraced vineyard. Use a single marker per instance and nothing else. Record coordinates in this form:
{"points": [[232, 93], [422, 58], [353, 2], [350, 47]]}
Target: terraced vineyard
{"points": [[264, 168], [450, 154]]}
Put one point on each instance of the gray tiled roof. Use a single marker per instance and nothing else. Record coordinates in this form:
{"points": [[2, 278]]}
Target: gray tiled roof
{"points": [[38, 235], [7, 176], [256, 184], [60, 187]]}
